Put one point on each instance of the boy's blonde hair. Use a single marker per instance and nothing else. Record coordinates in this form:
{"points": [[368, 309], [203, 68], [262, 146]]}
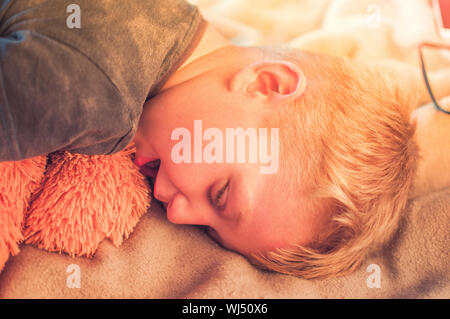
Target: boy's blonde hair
{"points": [[349, 143]]}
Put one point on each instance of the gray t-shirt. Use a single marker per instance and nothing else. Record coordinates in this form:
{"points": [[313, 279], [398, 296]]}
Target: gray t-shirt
{"points": [[83, 89]]}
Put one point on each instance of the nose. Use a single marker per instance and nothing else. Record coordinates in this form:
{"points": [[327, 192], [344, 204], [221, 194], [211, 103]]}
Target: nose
{"points": [[181, 211], [164, 190]]}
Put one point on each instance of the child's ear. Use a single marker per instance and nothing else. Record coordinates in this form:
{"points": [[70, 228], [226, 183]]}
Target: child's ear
{"points": [[270, 80]]}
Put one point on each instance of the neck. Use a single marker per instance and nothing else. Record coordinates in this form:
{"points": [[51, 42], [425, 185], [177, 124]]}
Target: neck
{"points": [[197, 62]]}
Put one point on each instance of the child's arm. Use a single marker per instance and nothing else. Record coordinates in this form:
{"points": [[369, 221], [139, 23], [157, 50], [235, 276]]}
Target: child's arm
{"points": [[433, 137]]}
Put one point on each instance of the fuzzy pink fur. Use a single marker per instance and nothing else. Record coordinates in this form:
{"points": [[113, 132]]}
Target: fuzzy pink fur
{"points": [[18, 180], [73, 204]]}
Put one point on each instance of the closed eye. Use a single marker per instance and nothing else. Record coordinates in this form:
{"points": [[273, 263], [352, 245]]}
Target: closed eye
{"points": [[220, 197]]}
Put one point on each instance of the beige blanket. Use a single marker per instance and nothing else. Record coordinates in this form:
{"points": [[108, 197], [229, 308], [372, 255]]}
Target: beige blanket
{"points": [[162, 260]]}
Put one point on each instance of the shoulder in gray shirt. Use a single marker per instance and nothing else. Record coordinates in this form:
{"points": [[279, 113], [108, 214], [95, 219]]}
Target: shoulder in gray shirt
{"points": [[83, 89]]}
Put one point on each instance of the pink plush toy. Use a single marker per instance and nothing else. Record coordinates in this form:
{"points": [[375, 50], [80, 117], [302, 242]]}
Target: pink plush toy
{"points": [[70, 202]]}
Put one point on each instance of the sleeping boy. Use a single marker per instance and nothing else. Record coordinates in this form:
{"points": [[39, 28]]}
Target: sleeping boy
{"points": [[156, 73], [348, 155]]}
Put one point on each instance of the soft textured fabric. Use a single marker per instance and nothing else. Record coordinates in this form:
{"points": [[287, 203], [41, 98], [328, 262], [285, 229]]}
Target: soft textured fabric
{"points": [[18, 181], [70, 202], [82, 89], [84, 199], [163, 260]]}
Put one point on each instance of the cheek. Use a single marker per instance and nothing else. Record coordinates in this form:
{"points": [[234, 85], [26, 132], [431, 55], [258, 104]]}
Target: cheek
{"points": [[278, 220], [251, 239], [267, 232]]}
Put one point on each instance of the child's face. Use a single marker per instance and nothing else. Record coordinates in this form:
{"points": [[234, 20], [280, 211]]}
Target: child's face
{"points": [[254, 212]]}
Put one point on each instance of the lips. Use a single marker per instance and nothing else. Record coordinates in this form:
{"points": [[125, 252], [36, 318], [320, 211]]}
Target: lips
{"points": [[142, 160], [149, 171], [148, 166]]}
